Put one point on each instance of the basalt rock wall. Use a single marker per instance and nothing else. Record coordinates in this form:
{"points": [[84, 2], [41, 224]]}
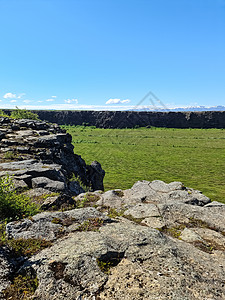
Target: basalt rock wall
{"points": [[40, 156], [123, 119]]}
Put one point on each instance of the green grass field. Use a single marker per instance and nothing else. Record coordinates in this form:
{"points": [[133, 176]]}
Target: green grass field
{"points": [[195, 157]]}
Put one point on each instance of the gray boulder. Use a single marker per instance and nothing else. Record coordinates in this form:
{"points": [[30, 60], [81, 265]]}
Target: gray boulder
{"points": [[152, 265], [51, 225], [57, 202], [48, 184], [143, 243]]}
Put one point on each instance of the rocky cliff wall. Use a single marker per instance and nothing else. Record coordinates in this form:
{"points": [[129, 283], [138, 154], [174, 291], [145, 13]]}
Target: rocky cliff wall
{"points": [[123, 119], [40, 155]]}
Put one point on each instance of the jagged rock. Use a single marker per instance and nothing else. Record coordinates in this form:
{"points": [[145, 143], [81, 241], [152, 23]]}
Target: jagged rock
{"points": [[216, 239], [111, 199], [4, 120], [159, 192], [57, 202], [2, 135], [183, 259], [154, 222], [143, 210], [38, 192], [39, 149], [145, 264], [48, 184], [175, 214], [5, 270], [19, 185], [15, 127], [130, 119], [30, 169], [50, 225], [75, 188], [23, 149], [96, 175], [190, 236]]}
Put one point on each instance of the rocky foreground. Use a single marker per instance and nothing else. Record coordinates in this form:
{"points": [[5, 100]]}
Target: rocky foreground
{"points": [[153, 241]]}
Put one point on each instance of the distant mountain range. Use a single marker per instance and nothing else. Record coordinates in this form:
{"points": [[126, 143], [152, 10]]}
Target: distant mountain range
{"points": [[190, 108]]}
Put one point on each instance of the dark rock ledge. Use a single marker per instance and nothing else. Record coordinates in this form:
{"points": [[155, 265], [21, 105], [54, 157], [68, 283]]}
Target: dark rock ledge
{"points": [[153, 241], [41, 158]]}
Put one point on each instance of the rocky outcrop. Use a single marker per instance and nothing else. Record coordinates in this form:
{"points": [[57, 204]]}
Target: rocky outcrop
{"points": [[40, 157], [153, 241], [130, 119]]}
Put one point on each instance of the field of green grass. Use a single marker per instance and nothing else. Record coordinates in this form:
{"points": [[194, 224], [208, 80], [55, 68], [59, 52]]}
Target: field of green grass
{"points": [[195, 157]]}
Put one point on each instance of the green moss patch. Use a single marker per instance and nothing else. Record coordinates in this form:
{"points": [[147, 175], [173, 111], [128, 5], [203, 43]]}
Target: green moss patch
{"points": [[26, 247], [119, 193], [109, 260], [23, 287], [174, 232], [92, 224], [135, 220], [89, 199]]}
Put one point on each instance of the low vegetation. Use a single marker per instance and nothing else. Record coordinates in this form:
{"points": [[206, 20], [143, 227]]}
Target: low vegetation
{"points": [[112, 259], [26, 247], [2, 114], [92, 224], [14, 206], [89, 199], [192, 156], [20, 114], [23, 287]]}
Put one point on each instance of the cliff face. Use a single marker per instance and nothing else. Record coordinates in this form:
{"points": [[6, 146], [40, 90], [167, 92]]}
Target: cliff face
{"points": [[123, 119], [40, 155]]}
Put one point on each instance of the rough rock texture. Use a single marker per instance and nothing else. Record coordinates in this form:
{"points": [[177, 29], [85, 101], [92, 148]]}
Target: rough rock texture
{"points": [[130, 119], [40, 155], [6, 269], [153, 241]]}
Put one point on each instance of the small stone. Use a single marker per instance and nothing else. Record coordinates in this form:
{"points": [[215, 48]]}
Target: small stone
{"points": [[154, 222], [190, 236], [143, 211]]}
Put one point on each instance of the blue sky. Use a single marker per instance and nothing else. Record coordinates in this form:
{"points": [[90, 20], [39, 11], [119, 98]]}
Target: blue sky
{"points": [[108, 54]]}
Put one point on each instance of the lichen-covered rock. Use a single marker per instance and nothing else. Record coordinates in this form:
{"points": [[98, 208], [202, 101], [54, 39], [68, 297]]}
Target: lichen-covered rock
{"points": [[51, 225], [141, 243], [142, 264], [8, 266], [5, 270]]}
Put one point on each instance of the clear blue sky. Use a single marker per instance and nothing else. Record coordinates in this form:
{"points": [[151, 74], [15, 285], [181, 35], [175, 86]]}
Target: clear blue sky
{"points": [[107, 54]]}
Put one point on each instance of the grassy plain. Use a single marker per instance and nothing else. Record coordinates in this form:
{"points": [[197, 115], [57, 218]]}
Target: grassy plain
{"points": [[195, 157]]}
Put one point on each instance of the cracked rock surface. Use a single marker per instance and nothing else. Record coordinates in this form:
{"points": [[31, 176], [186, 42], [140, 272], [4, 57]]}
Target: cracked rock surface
{"points": [[153, 241]]}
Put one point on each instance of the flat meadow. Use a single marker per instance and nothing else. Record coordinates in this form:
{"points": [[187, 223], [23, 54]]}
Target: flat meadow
{"points": [[196, 157]]}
